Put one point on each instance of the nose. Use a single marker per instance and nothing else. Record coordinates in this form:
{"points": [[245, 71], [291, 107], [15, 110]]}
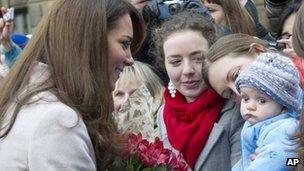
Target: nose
{"points": [[251, 106], [188, 68], [126, 97], [129, 59]]}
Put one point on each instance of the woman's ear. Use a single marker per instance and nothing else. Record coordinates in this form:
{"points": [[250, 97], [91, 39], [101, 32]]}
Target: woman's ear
{"points": [[256, 49]]}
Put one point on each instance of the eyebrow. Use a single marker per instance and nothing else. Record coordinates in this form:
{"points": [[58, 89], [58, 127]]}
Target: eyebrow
{"points": [[132, 90], [286, 33], [198, 52], [231, 72], [191, 54], [262, 95], [211, 5], [243, 94], [174, 56]]}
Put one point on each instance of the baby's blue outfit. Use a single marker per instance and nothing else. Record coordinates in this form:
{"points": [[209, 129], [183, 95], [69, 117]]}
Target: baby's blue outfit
{"points": [[274, 138]]}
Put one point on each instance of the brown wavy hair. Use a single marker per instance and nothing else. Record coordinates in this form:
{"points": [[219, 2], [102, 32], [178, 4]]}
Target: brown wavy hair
{"points": [[237, 18], [187, 20], [72, 41], [298, 45]]}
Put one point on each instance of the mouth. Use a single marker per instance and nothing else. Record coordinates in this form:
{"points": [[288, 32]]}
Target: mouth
{"points": [[191, 84], [248, 116]]}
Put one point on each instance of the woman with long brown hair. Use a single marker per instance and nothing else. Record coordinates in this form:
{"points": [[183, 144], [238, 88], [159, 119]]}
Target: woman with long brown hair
{"points": [[298, 45], [297, 35], [56, 103]]}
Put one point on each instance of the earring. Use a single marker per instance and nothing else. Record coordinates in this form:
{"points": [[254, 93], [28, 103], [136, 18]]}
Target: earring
{"points": [[172, 89]]}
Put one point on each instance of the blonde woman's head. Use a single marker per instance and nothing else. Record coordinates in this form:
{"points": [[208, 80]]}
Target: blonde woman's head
{"points": [[131, 78]]}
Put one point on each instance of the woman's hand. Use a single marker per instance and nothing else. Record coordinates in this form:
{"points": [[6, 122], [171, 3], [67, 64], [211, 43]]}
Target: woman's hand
{"points": [[139, 4], [288, 50], [6, 30]]}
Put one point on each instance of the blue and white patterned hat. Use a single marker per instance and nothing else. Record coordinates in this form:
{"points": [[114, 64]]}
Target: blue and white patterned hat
{"points": [[275, 76]]}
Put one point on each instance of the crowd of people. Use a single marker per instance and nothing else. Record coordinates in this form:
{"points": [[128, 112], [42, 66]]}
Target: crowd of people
{"points": [[216, 87]]}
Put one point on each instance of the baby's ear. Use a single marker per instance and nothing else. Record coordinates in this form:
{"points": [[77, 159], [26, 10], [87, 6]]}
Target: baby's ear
{"points": [[256, 49]]}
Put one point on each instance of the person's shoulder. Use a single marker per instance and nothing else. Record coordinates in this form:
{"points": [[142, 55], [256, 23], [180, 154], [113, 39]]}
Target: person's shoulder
{"points": [[230, 118], [282, 130], [286, 126], [59, 134], [46, 108], [230, 113]]}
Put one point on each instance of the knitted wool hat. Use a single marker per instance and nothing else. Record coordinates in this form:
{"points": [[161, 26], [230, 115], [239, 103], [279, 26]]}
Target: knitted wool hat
{"points": [[275, 76]]}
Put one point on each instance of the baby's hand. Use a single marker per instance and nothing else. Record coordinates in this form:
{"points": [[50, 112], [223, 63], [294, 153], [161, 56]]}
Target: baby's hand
{"points": [[253, 156]]}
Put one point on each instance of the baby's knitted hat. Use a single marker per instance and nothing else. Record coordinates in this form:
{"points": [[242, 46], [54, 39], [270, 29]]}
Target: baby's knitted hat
{"points": [[275, 76]]}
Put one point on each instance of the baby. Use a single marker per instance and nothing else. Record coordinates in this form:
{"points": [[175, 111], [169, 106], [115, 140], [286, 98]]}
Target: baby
{"points": [[271, 104]]}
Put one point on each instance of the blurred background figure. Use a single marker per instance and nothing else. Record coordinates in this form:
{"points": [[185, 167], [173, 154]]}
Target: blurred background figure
{"points": [[232, 15], [298, 44], [11, 44], [273, 10], [297, 34], [285, 29], [137, 97], [261, 31]]}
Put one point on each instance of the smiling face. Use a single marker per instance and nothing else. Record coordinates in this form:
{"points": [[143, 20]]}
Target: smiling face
{"points": [[184, 53], [256, 107], [119, 41], [223, 72]]}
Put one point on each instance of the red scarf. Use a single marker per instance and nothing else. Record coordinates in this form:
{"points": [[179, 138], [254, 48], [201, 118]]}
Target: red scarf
{"points": [[298, 63], [189, 124]]}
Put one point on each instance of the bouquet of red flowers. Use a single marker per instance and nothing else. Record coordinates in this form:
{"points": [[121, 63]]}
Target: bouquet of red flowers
{"points": [[143, 155]]}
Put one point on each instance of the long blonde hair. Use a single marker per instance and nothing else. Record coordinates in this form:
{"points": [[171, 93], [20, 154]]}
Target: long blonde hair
{"points": [[72, 41], [143, 73]]}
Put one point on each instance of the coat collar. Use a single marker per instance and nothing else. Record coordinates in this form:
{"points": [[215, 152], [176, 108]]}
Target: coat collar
{"points": [[214, 136], [40, 74]]}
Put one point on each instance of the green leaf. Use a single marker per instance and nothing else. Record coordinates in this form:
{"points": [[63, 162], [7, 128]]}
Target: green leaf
{"points": [[147, 169], [139, 167], [162, 168], [135, 159], [129, 168], [118, 164]]}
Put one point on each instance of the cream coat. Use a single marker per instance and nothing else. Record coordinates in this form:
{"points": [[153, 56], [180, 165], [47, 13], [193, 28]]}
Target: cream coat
{"points": [[47, 135]]}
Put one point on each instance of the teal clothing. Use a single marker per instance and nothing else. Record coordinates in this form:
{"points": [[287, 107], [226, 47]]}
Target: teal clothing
{"points": [[12, 55]]}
